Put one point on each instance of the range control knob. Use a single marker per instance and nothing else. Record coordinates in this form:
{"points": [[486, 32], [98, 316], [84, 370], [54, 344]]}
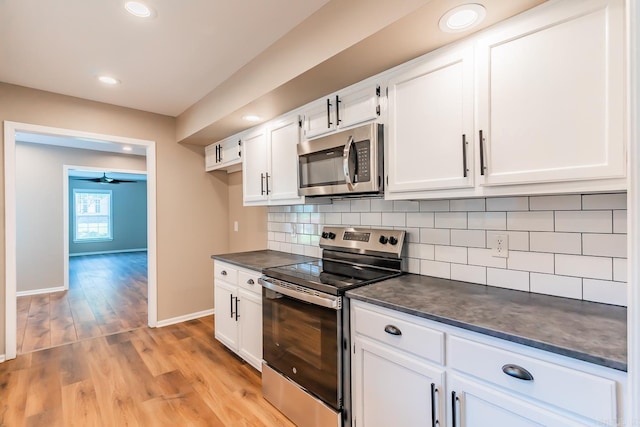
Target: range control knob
{"points": [[393, 240], [332, 235], [383, 240], [325, 235]]}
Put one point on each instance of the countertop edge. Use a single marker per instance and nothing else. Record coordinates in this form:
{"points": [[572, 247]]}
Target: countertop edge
{"points": [[574, 354]]}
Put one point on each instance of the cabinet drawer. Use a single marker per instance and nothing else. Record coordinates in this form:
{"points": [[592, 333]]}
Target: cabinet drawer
{"points": [[569, 389], [225, 272], [413, 338], [249, 281]]}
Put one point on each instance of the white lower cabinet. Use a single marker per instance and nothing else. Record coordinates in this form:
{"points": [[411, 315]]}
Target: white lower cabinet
{"points": [[401, 377], [238, 311]]}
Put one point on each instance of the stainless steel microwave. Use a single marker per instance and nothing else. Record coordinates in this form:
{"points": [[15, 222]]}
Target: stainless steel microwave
{"points": [[349, 162]]}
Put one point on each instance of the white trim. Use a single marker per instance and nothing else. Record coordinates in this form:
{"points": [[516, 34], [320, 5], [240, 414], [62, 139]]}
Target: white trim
{"points": [[10, 129], [40, 291], [2, 359], [184, 318], [119, 251]]}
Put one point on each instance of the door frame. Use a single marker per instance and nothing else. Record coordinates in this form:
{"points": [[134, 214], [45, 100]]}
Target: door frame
{"points": [[10, 130]]}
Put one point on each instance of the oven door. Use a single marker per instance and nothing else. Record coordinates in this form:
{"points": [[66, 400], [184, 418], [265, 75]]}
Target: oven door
{"points": [[342, 163], [301, 332]]}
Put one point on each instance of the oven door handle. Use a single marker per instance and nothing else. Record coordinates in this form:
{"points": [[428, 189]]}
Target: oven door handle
{"points": [[328, 301], [346, 157]]}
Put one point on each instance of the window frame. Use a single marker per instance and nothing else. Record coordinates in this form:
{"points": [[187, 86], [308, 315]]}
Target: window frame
{"points": [[75, 215]]}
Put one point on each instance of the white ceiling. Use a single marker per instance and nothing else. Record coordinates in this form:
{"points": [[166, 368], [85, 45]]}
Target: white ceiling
{"points": [[82, 143], [165, 63]]}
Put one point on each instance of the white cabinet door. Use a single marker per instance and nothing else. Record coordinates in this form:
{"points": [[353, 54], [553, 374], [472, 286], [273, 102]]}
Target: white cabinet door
{"points": [[250, 312], [226, 325], [476, 405], [231, 150], [357, 106], [254, 166], [283, 177], [551, 95], [431, 124], [392, 388], [210, 157], [319, 118]]}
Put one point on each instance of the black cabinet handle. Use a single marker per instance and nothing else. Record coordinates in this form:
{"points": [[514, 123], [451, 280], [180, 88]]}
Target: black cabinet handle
{"points": [[239, 149], [237, 314], [518, 372], [262, 184], [464, 156], [434, 417], [267, 180], [231, 306], [393, 330], [454, 407], [338, 110], [328, 113], [482, 167]]}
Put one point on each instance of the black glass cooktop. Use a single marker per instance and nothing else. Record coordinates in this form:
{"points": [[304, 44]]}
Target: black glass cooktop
{"points": [[331, 277]]}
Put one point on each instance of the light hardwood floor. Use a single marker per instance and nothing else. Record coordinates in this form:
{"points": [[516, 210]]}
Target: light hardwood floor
{"points": [[107, 294], [178, 375]]}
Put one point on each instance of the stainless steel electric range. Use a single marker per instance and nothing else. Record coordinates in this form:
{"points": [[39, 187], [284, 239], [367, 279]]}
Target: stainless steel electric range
{"points": [[306, 340]]}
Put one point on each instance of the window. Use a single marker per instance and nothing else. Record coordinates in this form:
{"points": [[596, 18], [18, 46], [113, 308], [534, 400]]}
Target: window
{"points": [[92, 215]]}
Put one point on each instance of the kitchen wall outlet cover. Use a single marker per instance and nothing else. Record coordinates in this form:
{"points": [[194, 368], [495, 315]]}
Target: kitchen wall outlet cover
{"points": [[500, 245], [235, 225]]}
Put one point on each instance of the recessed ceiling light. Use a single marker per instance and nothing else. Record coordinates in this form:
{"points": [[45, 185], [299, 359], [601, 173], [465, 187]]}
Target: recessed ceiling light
{"points": [[462, 18], [252, 118], [127, 148], [138, 9], [108, 80]]}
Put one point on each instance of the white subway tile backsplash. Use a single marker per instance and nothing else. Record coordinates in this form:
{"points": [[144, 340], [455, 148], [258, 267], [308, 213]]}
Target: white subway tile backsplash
{"points": [[584, 221], [487, 220], [413, 266], [604, 201], [620, 270], [380, 205], [468, 238], [372, 219], [333, 218], [484, 257], [561, 286], [316, 218], [508, 204], [420, 250], [571, 202], [420, 219], [530, 221], [304, 218], [620, 221], [435, 236], [530, 261], [605, 291], [291, 217], [310, 229], [613, 245], [342, 206], [451, 220], [469, 273], [361, 205], [518, 240], [297, 249], [584, 266], [434, 205], [351, 218], [276, 217], [435, 269], [451, 254], [562, 243], [325, 208], [309, 208], [406, 206], [411, 234], [511, 279], [467, 205], [394, 219]]}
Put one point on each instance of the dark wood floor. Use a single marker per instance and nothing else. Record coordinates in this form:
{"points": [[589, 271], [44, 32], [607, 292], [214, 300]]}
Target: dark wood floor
{"points": [[107, 294], [178, 375]]}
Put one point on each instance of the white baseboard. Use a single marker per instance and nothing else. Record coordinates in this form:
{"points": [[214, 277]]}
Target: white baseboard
{"points": [[108, 252], [40, 291], [184, 318], [2, 358]]}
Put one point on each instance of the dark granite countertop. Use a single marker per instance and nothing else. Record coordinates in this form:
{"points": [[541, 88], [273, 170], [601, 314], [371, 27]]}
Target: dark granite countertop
{"points": [[588, 331], [257, 260]]}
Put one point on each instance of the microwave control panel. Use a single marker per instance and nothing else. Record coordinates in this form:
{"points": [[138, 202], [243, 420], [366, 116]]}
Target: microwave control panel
{"points": [[363, 148]]}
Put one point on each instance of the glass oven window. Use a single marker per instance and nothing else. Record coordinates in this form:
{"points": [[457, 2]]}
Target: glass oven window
{"points": [[301, 341]]}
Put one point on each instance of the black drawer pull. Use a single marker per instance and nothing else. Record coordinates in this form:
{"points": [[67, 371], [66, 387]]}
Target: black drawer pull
{"points": [[390, 329], [250, 282], [518, 372], [223, 273]]}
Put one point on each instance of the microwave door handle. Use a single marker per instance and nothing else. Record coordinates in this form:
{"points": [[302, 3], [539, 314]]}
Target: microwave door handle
{"points": [[345, 163]]}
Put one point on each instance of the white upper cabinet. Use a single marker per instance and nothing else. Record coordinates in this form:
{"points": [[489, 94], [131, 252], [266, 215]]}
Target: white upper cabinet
{"points": [[430, 114], [270, 164], [225, 154], [342, 110], [551, 95]]}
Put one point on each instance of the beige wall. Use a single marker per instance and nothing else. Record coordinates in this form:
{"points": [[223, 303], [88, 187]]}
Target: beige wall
{"points": [[252, 221], [39, 207], [192, 214]]}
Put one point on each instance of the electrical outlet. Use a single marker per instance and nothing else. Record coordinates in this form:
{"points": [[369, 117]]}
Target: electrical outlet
{"points": [[500, 245], [235, 225]]}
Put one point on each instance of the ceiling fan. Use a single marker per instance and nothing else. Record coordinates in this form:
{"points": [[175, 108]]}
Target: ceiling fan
{"points": [[104, 179]]}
